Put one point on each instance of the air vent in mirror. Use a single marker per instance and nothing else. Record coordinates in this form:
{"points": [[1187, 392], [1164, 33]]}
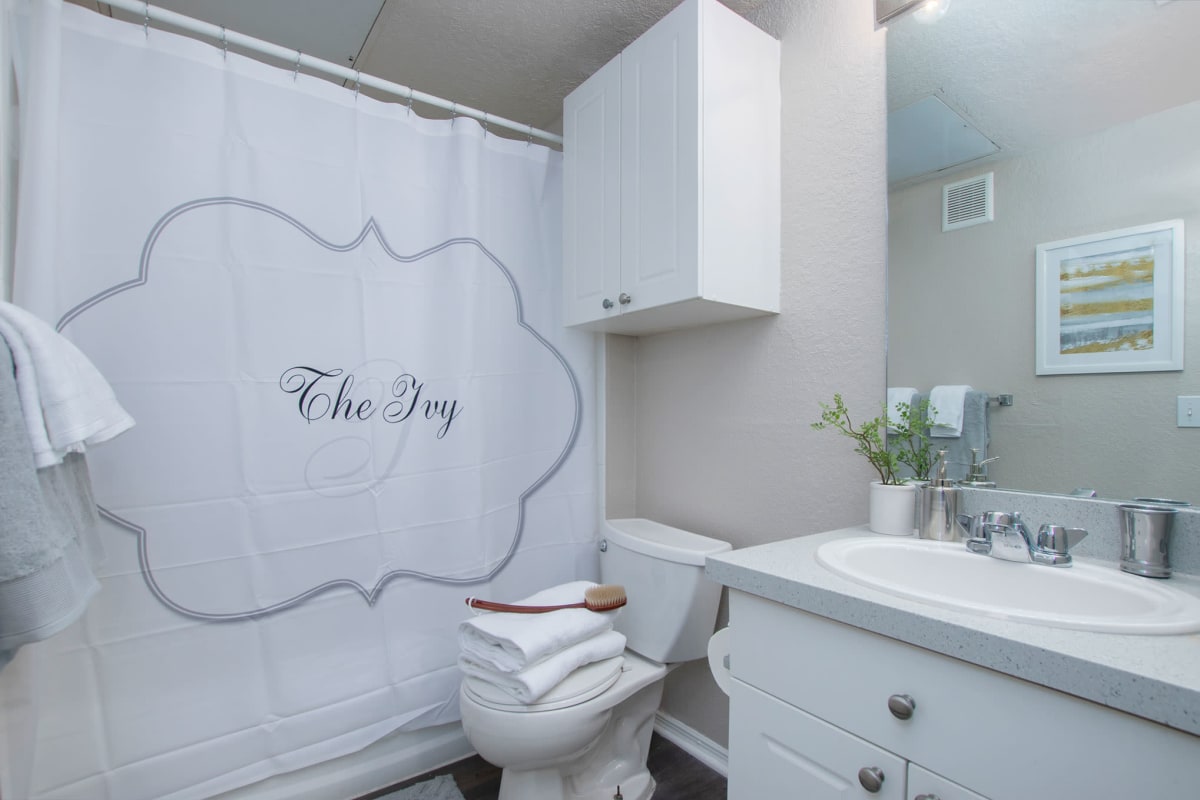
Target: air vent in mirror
{"points": [[966, 203]]}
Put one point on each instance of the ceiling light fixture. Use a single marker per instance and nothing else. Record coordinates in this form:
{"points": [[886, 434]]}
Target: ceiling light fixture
{"points": [[931, 11]]}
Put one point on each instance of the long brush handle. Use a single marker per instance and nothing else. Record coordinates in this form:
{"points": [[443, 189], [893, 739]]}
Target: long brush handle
{"points": [[488, 605]]}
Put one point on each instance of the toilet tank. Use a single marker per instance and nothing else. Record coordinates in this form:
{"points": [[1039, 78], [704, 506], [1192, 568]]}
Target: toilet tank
{"points": [[672, 607]]}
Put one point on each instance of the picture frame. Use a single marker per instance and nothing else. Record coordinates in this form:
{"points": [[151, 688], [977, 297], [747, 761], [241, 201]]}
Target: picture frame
{"points": [[1111, 302]]}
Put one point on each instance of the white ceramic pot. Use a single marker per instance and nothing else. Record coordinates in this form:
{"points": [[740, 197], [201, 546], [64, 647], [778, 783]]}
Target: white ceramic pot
{"points": [[893, 509]]}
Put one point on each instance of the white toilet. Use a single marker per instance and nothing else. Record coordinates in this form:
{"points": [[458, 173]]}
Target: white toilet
{"points": [[591, 733]]}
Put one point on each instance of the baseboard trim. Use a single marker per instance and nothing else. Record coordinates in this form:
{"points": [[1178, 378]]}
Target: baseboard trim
{"points": [[692, 742]]}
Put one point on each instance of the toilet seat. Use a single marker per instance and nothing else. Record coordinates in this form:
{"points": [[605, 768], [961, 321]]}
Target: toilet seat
{"points": [[585, 683]]}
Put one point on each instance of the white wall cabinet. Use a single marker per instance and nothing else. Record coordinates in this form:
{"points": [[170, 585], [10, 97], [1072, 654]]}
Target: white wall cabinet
{"points": [[810, 707], [671, 178]]}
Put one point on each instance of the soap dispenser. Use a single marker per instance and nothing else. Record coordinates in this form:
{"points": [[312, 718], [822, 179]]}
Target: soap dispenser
{"points": [[977, 477], [939, 507]]}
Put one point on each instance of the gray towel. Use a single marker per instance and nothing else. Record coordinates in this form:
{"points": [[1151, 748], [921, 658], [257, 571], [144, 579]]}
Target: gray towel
{"points": [[974, 435], [48, 518]]}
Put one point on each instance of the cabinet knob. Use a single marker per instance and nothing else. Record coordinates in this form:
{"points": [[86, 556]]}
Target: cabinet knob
{"points": [[624, 299], [607, 304], [901, 706], [871, 779]]}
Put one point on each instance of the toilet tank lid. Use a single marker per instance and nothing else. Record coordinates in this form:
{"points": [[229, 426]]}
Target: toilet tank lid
{"points": [[662, 541]]}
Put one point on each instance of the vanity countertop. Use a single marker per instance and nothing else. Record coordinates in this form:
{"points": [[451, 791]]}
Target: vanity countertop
{"points": [[1154, 677]]}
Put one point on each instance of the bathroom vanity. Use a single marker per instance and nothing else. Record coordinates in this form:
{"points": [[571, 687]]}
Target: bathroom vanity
{"points": [[842, 690]]}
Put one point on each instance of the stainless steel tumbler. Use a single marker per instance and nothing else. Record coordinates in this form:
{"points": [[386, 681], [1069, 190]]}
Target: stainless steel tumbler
{"points": [[1146, 539]]}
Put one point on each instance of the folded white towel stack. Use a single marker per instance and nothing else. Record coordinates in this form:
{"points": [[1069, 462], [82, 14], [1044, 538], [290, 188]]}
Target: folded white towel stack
{"points": [[946, 411], [66, 402], [897, 395], [511, 642], [527, 655], [529, 684]]}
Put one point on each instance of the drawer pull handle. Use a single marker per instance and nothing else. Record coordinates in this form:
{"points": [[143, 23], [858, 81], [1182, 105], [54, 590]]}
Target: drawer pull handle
{"points": [[927, 797], [871, 779], [607, 304], [902, 706]]}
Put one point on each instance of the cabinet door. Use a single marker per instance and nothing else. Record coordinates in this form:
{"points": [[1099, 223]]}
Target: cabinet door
{"points": [[780, 752], [660, 162], [592, 197], [925, 785]]}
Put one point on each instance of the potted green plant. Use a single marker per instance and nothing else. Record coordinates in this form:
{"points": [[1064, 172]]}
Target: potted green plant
{"points": [[893, 498]]}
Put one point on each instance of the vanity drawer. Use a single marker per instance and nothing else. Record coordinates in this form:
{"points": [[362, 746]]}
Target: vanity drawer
{"points": [[999, 735], [784, 753]]}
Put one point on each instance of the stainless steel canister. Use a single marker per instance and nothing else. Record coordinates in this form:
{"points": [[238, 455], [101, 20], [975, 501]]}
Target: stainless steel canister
{"points": [[1146, 539], [938, 514]]}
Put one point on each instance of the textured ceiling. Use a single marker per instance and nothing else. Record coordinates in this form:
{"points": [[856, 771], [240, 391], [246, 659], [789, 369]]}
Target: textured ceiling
{"points": [[514, 58], [511, 58], [1029, 73], [1025, 72]]}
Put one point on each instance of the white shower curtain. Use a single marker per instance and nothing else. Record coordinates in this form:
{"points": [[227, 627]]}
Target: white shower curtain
{"points": [[337, 326]]}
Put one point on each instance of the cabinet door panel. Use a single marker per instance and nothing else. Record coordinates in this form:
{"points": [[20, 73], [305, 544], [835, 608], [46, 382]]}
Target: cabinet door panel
{"points": [[923, 782], [592, 197], [781, 752], [660, 177]]}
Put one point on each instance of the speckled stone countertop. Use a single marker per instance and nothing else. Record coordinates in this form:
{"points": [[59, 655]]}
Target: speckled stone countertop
{"points": [[1154, 677]]}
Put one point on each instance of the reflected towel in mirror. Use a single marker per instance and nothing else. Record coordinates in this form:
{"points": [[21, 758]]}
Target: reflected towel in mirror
{"points": [[975, 434], [946, 410]]}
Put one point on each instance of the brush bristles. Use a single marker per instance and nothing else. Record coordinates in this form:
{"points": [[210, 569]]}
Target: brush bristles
{"points": [[604, 597]]}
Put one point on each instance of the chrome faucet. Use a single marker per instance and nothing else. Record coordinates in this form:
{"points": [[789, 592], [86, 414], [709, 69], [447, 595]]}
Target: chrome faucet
{"points": [[1005, 535]]}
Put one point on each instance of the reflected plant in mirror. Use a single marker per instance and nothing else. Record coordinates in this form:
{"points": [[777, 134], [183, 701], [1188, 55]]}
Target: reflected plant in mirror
{"points": [[898, 448], [1086, 114], [909, 438]]}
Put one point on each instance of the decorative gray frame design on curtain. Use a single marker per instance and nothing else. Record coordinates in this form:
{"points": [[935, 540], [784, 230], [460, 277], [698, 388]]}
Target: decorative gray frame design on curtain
{"points": [[370, 595]]}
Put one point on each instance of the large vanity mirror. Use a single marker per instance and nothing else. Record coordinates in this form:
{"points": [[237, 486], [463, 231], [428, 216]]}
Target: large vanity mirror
{"points": [[1086, 113]]}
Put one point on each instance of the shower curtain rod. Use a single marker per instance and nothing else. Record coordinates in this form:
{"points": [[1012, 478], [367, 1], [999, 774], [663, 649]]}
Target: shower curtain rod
{"points": [[227, 37]]}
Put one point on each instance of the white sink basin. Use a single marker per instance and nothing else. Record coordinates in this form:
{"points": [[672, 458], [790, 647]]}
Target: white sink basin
{"points": [[1082, 596]]}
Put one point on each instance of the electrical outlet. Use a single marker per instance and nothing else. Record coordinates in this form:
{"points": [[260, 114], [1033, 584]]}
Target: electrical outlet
{"points": [[1189, 411]]}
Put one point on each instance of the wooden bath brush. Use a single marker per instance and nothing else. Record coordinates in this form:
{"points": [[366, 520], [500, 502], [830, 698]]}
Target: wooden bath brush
{"points": [[604, 597]]}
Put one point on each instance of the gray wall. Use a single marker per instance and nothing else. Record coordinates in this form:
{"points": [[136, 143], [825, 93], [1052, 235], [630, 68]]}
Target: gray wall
{"points": [[718, 433], [962, 309]]}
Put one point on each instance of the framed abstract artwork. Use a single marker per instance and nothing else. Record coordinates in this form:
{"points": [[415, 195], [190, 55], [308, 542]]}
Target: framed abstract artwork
{"points": [[1111, 302]]}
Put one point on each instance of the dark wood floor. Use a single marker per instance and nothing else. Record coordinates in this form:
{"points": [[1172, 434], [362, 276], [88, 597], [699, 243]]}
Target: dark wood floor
{"points": [[679, 776]]}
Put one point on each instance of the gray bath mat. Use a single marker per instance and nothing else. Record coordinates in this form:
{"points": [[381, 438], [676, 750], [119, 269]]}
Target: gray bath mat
{"points": [[440, 788]]}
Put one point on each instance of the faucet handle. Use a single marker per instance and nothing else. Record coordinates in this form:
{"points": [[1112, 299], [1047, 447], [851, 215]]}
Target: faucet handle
{"points": [[1057, 539]]}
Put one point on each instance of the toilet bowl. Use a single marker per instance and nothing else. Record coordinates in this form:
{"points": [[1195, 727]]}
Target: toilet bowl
{"points": [[591, 733], [578, 741]]}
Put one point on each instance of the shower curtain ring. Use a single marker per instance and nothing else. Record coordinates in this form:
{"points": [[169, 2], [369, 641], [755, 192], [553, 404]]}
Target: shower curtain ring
{"points": [[529, 140], [453, 114], [485, 124], [357, 82], [296, 69], [410, 94], [224, 45], [146, 20]]}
